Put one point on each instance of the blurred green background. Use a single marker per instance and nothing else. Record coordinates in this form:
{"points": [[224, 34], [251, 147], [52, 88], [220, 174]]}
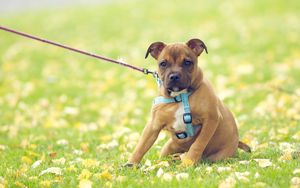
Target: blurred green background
{"points": [[49, 94]]}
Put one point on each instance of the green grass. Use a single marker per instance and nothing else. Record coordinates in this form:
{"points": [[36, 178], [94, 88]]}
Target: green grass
{"points": [[48, 94]]}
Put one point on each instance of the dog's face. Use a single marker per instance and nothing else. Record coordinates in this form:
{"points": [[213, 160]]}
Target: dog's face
{"points": [[177, 63]]}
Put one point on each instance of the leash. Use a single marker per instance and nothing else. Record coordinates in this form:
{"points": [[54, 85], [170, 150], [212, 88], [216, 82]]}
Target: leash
{"points": [[187, 117], [143, 70]]}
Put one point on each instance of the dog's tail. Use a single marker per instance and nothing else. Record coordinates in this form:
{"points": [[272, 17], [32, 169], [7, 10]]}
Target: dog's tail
{"points": [[244, 147]]}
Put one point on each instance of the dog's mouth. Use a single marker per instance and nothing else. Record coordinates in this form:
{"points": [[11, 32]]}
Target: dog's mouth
{"points": [[176, 86], [175, 89]]}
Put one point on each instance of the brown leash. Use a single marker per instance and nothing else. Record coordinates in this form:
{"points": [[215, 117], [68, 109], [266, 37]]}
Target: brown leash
{"points": [[143, 70]]}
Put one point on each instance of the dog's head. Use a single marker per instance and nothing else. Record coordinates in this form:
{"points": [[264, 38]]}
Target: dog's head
{"points": [[177, 63]]}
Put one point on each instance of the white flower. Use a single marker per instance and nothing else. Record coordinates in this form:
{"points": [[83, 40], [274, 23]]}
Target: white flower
{"points": [[52, 170], [167, 177], [84, 183], [62, 142], [295, 181], [244, 162], [148, 163], [2, 180], [71, 111], [160, 172], [209, 169], [77, 152], [263, 162], [285, 146], [256, 175], [296, 171], [242, 173], [181, 176], [60, 161], [228, 183], [223, 169], [110, 145], [36, 164], [163, 164], [2, 147], [260, 184]]}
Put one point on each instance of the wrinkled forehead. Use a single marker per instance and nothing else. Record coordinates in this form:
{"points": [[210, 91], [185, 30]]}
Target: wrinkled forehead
{"points": [[176, 52]]}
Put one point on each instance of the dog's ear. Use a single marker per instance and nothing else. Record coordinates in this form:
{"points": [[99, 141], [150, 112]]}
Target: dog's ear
{"points": [[155, 49], [197, 46]]}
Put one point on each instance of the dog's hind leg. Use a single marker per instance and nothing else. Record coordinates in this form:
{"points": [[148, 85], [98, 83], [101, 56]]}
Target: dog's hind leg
{"points": [[222, 154], [171, 147]]}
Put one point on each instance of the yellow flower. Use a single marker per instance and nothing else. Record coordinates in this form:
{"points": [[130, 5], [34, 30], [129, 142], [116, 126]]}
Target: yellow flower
{"points": [[105, 138], [296, 136], [108, 184], [72, 168], [26, 160], [45, 183], [32, 146], [89, 163], [105, 175], [84, 147], [33, 154], [187, 162], [33, 178], [85, 174], [19, 184], [287, 156], [21, 172], [58, 179]]}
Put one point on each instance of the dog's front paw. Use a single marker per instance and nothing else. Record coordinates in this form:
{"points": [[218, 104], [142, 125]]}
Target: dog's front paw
{"points": [[185, 161], [131, 165]]}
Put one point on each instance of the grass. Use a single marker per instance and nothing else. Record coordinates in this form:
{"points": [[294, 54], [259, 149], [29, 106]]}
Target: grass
{"points": [[85, 116]]}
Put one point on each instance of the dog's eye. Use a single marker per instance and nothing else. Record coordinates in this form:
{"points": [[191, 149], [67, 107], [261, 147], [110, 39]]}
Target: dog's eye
{"points": [[163, 64], [187, 63]]}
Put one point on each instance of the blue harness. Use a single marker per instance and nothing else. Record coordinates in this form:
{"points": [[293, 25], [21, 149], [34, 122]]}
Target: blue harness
{"points": [[187, 117]]}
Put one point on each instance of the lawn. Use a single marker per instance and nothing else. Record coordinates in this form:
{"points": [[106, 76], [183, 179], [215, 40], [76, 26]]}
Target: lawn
{"points": [[68, 120]]}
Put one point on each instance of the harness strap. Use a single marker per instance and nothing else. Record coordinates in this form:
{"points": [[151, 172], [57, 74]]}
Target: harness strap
{"points": [[187, 117], [161, 99]]}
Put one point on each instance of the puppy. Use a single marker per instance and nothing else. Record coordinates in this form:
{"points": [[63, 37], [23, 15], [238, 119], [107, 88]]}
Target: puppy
{"points": [[213, 131]]}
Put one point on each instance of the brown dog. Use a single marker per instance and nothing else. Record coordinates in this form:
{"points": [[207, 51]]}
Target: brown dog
{"points": [[217, 136]]}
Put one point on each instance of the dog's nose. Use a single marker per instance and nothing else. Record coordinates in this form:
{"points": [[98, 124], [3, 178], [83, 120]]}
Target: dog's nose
{"points": [[174, 77]]}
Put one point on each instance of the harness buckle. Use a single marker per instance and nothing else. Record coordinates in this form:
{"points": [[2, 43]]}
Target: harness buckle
{"points": [[177, 99], [187, 118], [181, 135]]}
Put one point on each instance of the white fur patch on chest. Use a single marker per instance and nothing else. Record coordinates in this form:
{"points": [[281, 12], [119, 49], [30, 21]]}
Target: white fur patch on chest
{"points": [[179, 125]]}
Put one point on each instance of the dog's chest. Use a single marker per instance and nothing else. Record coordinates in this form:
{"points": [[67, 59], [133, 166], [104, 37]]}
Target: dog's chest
{"points": [[179, 125]]}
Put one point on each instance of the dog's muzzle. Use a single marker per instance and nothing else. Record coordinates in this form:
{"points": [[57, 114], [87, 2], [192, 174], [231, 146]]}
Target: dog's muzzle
{"points": [[175, 82]]}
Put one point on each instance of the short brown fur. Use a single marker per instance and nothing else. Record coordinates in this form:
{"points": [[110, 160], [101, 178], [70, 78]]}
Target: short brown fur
{"points": [[218, 138]]}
